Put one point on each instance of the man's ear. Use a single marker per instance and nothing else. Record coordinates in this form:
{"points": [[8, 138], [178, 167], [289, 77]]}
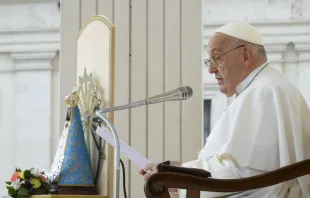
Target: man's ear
{"points": [[247, 56]]}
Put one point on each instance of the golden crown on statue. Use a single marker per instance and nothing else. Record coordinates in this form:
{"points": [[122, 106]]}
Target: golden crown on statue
{"points": [[73, 99]]}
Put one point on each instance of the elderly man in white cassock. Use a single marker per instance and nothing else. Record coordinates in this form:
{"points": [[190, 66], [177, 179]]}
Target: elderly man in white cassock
{"points": [[266, 127]]}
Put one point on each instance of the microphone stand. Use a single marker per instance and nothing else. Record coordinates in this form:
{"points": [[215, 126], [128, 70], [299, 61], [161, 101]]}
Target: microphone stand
{"points": [[180, 93], [116, 154]]}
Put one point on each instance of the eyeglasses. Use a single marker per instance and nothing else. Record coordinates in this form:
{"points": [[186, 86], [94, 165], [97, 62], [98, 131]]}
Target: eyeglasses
{"points": [[212, 62]]}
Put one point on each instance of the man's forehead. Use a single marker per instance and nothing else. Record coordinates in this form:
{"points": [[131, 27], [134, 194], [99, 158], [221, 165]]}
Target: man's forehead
{"points": [[214, 48], [217, 43]]}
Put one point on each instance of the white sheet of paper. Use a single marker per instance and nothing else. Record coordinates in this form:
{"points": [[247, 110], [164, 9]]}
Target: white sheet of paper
{"points": [[131, 153]]}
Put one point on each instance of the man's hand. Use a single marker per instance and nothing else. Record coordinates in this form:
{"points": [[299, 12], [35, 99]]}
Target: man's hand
{"points": [[148, 170], [151, 169]]}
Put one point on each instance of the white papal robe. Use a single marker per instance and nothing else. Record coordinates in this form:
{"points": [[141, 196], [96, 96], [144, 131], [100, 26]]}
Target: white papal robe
{"points": [[266, 127]]}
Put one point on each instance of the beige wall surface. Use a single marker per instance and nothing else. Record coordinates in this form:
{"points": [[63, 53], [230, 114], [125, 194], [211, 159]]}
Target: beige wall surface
{"points": [[158, 48]]}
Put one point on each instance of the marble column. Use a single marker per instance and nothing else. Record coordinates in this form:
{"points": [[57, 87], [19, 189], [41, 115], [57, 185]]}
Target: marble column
{"points": [[276, 60], [32, 125], [275, 55], [29, 40], [304, 74], [7, 116], [290, 64]]}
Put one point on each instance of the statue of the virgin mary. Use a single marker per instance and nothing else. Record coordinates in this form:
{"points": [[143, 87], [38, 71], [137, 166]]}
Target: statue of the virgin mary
{"points": [[72, 170]]}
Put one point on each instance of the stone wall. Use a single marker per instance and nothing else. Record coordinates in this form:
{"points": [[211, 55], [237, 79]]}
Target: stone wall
{"points": [[29, 99]]}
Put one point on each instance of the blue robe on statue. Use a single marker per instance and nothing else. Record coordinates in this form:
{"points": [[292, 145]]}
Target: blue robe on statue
{"points": [[76, 166]]}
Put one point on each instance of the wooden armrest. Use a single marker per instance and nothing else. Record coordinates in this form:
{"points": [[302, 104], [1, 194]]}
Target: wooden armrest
{"points": [[189, 171], [158, 184]]}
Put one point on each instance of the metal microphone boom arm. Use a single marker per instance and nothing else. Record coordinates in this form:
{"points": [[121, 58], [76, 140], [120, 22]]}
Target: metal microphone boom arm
{"points": [[180, 93]]}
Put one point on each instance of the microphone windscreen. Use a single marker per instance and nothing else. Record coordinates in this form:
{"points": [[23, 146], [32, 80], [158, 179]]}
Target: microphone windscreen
{"points": [[187, 92]]}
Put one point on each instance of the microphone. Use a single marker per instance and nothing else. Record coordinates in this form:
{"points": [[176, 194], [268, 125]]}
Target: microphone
{"points": [[181, 93]]}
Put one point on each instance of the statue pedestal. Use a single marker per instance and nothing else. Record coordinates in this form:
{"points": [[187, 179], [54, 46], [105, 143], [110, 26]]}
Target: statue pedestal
{"points": [[68, 196], [77, 190], [72, 190]]}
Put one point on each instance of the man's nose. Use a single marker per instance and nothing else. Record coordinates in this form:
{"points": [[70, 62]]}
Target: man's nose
{"points": [[212, 69]]}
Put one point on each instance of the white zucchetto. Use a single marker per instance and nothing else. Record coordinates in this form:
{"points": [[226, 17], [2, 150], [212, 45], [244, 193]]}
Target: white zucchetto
{"points": [[242, 31]]}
